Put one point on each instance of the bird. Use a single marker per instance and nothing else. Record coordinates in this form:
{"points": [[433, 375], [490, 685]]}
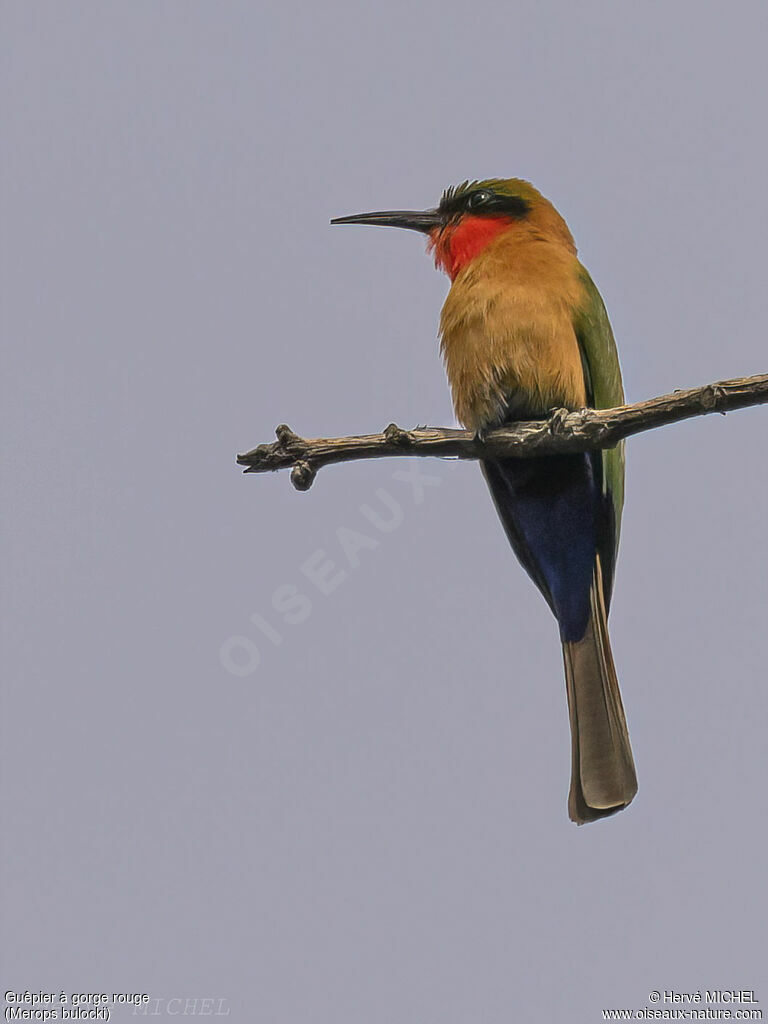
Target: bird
{"points": [[524, 331]]}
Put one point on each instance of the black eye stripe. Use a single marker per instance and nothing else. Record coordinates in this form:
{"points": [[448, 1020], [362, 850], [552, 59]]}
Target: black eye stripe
{"points": [[483, 202]]}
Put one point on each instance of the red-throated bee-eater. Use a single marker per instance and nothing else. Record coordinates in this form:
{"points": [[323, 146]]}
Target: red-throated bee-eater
{"points": [[524, 330]]}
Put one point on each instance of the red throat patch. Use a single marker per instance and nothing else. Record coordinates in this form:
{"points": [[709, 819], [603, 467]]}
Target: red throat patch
{"points": [[457, 244]]}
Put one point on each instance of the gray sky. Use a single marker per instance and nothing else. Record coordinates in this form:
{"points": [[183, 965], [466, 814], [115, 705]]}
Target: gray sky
{"points": [[369, 822]]}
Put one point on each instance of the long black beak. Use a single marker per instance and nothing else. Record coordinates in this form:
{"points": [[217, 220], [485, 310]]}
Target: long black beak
{"points": [[424, 220]]}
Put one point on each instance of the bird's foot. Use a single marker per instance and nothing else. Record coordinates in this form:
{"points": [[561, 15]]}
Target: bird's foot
{"points": [[556, 420]]}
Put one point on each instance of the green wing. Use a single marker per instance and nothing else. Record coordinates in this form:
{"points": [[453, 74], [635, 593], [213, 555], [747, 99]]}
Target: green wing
{"points": [[604, 390]]}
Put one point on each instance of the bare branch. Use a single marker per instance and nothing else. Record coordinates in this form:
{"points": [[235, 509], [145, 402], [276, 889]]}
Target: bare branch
{"points": [[563, 431]]}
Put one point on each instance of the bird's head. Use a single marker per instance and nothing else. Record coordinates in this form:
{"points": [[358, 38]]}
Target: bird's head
{"points": [[471, 215]]}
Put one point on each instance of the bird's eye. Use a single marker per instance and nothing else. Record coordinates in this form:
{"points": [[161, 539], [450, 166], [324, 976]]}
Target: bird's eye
{"points": [[479, 199]]}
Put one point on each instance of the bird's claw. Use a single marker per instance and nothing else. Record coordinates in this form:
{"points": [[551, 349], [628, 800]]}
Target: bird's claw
{"points": [[556, 419]]}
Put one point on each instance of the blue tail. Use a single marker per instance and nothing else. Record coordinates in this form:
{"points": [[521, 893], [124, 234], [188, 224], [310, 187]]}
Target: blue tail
{"points": [[550, 508], [561, 528]]}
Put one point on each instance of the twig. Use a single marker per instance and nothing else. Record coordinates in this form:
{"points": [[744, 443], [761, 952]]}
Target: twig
{"points": [[563, 431]]}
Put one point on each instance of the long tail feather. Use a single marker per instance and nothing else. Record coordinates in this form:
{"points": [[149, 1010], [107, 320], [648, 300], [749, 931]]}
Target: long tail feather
{"points": [[603, 778], [551, 510]]}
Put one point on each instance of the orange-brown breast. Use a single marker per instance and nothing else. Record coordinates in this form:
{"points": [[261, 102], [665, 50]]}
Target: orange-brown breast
{"points": [[506, 329]]}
